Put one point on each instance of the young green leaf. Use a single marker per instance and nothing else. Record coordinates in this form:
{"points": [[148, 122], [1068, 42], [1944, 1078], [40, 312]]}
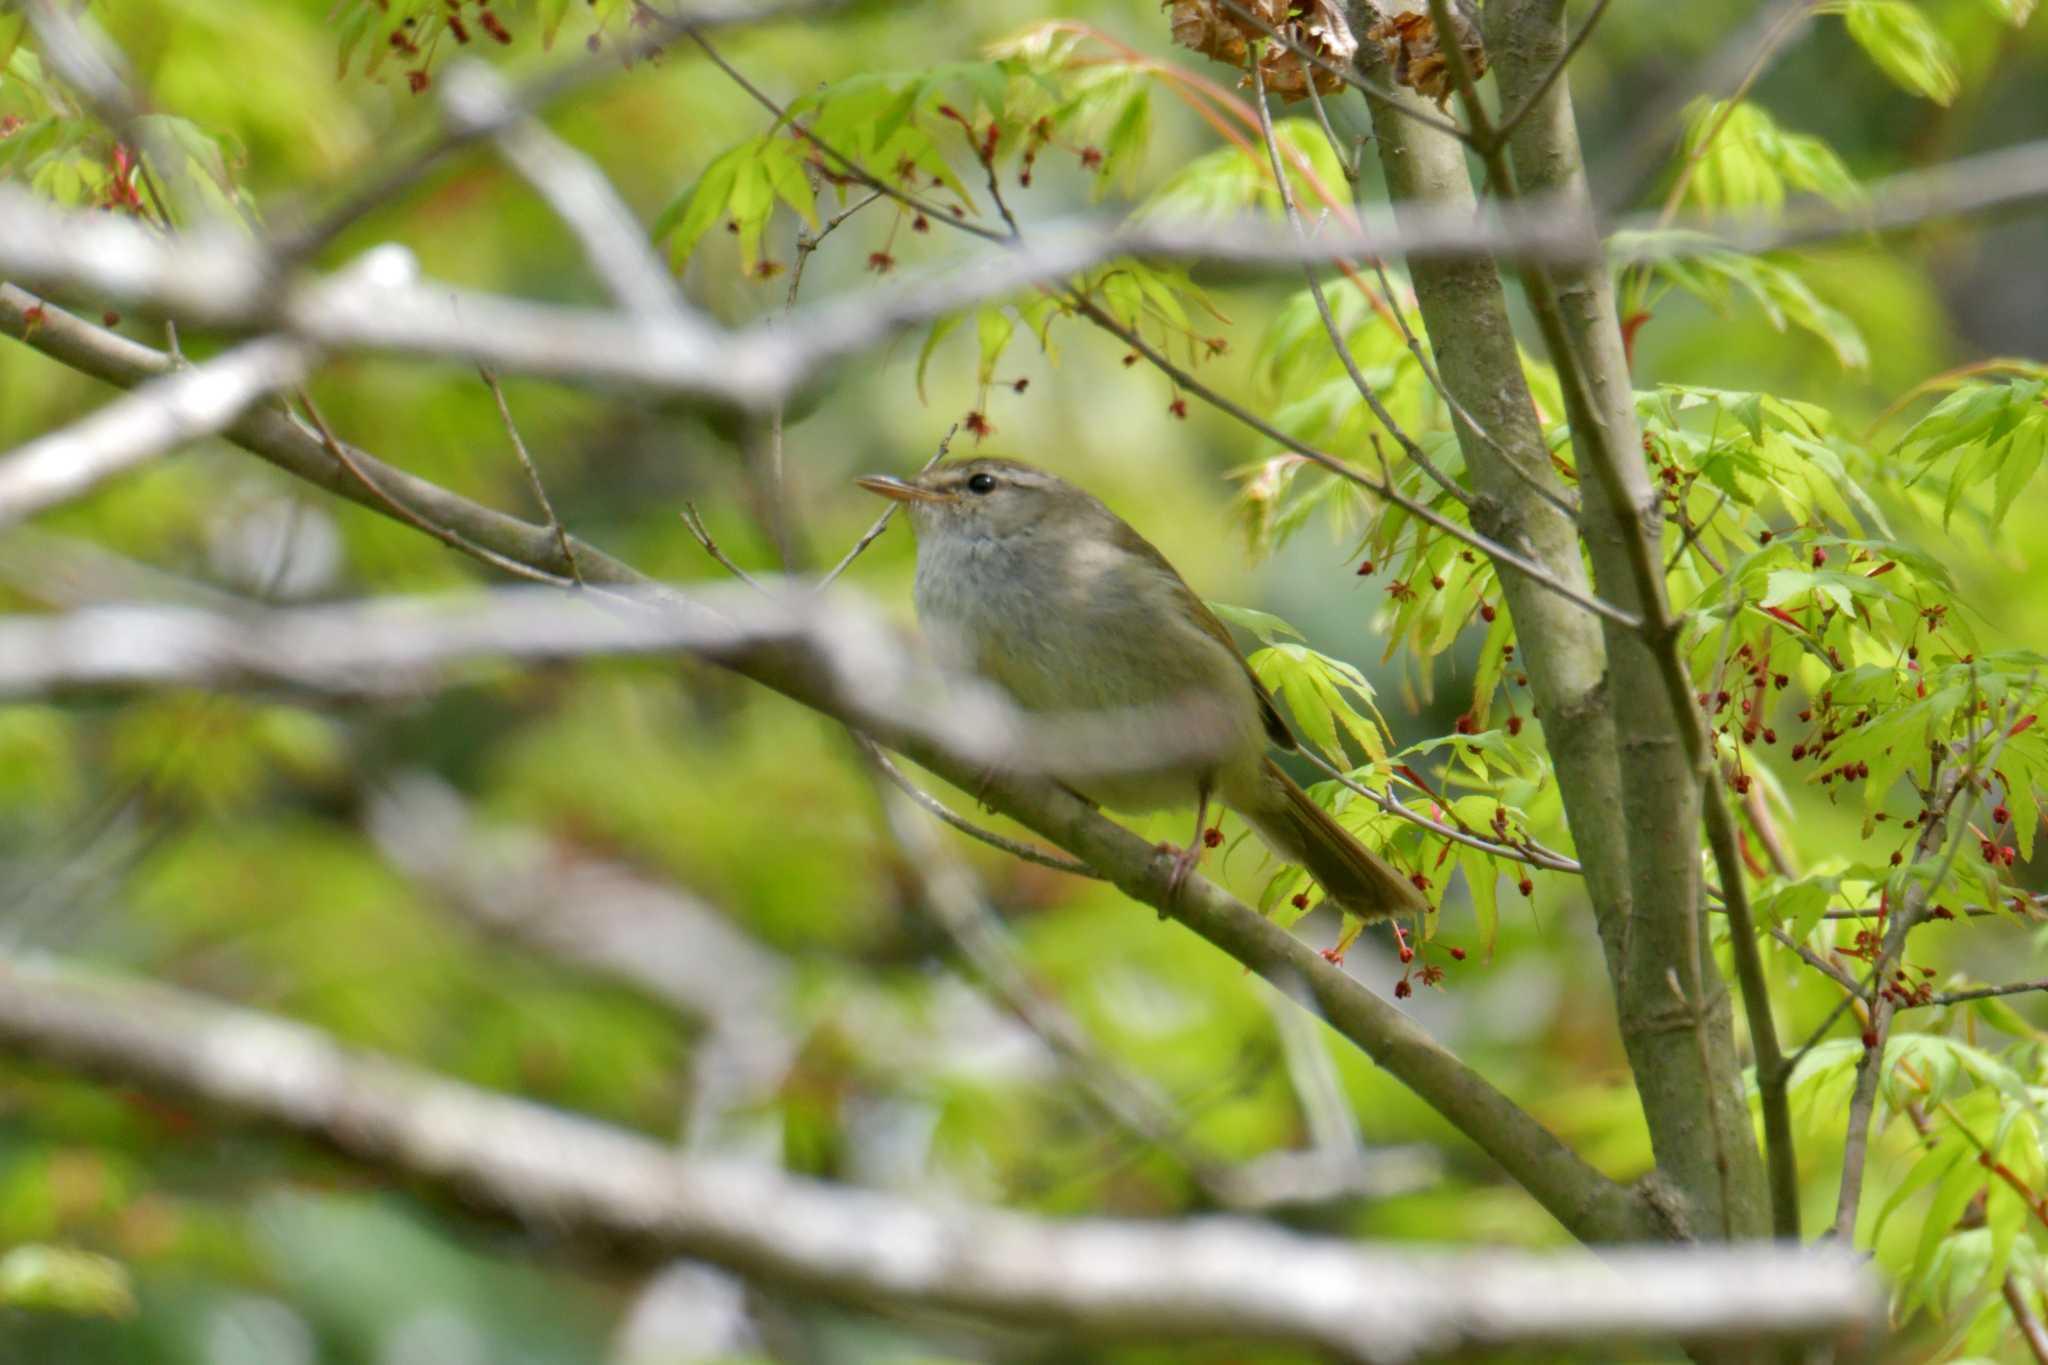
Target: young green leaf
{"points": [[1905, 46], [683, 223]]}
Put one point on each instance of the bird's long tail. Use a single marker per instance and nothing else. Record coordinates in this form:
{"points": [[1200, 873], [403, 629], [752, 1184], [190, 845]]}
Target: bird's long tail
{"points": [[1301, 831]]}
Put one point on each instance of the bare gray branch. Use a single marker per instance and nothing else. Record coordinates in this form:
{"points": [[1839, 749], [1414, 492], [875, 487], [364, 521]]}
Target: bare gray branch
{"points": [[154, 420], [1218, 1277]]}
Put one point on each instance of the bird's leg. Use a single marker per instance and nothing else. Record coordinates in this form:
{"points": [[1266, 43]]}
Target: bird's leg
{"points": [[1185, 860]]}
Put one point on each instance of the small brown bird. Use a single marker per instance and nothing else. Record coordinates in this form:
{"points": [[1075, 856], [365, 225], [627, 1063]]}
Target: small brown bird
{"points": [[1034, 584]]}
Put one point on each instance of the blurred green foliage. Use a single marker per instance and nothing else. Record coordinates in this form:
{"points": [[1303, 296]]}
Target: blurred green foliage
{"points": [[220, 843]]}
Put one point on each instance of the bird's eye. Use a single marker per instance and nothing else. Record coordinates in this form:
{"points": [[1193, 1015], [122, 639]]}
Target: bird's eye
{"points": [[982, 483]]}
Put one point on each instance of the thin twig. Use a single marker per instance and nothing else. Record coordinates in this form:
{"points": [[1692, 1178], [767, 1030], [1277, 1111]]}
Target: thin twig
{"points": [[1863, 1098], [1739, 53], [1852, 995], [881, 523], [1535, 855], [846, 164], [1817, 962], [694, 522], [1413, 451], [1458, 410], [1348, 163], [1016, 848], [1690, 534], [1500, 554], [540, 492], [2025, 1319], [1507, 126], [383, 496], [1980, 993], [995, 183]]}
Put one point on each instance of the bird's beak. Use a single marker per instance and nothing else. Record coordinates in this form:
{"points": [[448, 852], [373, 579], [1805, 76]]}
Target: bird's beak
{"points": [[898, 490]]}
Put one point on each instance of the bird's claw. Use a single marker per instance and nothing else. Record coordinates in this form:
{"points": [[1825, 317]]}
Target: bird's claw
{"points": [[1185, 861]]}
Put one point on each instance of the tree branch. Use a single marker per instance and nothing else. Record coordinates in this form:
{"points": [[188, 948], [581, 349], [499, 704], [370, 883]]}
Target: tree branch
{"points": [[1465, 314], [1657, 724], [1508, 563], [1220, 1278], [1414, 452], [156, 419], [613, 240], [600, 918], [1587, 1203], [215, 280], [1982, 993]]}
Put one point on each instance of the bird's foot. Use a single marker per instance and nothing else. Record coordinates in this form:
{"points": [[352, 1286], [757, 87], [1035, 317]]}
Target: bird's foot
{"points": [[1185, 861], [1334, 954]]}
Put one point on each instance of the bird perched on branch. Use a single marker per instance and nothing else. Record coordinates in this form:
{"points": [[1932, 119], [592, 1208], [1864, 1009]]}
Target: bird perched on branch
{"points": [[1031, 582]]}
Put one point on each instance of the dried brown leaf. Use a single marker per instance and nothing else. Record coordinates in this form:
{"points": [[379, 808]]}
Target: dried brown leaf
{"points": [[1410, 44], [1324, 30], [1219, 31], [1199, 26]]}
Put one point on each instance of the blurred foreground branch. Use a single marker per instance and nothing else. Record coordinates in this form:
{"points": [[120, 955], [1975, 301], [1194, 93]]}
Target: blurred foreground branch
{"points": [[1096, 1278], [215, 279], [398, 646], [1588, 1204], [602, 918]]}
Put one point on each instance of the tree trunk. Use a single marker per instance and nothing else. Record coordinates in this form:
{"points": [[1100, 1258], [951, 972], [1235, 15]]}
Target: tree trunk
{"points": [[1630, 793]]}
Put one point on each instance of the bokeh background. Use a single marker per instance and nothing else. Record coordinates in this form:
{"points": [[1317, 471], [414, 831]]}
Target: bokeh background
{"points": [[254, 847]]}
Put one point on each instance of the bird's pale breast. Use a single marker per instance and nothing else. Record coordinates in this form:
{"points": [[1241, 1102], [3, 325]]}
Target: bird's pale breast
{"points": [[1089, 627]]}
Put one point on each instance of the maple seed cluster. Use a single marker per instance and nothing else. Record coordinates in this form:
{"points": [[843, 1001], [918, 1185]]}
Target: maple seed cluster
{"points": [[407, 39], [1428, 973]]}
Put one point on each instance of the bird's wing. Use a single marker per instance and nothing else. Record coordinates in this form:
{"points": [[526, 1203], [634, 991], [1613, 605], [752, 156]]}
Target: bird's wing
{"points": [[1128, 539]]}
